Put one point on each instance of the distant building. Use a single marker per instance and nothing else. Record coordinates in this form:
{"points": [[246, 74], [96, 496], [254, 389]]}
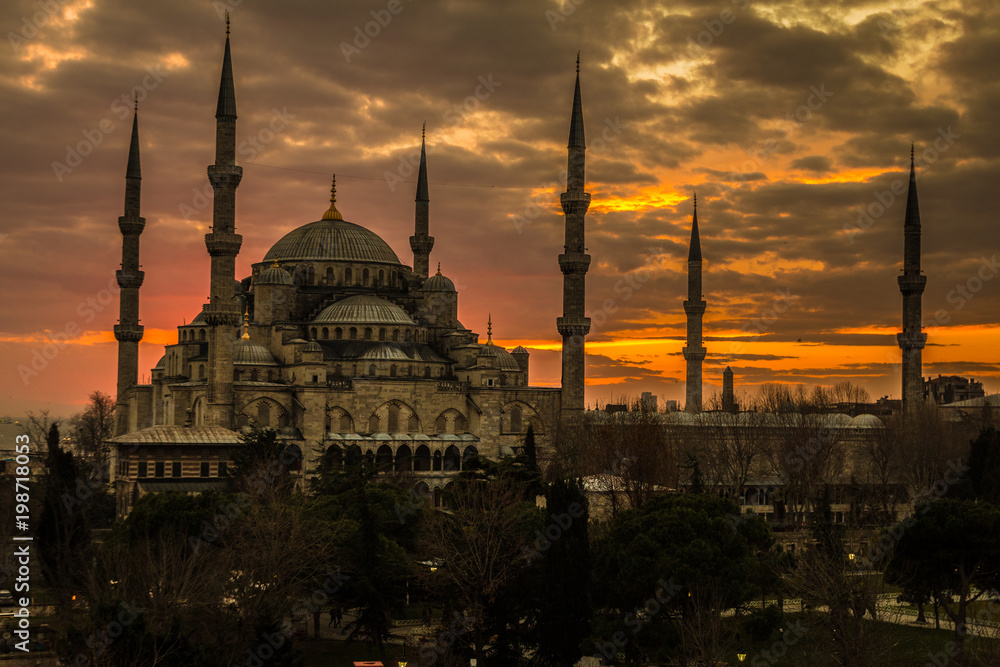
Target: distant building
{"points": [[946, 389]]}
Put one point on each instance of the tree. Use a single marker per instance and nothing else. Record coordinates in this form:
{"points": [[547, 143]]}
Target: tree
{"points": [[672, 566], [565, 609], [261, 465], [93, 428], [480, 543], [951, 547], [63, 531], [735, 447]]}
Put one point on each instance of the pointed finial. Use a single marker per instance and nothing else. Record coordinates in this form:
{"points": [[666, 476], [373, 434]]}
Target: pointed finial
{"points": [[439, 269], [911, 152], [136, 101], [577, 62], [332, 213], [275, 265], [489, 329], [246, 325], [423, 131], [227, 23], [696, 201]]}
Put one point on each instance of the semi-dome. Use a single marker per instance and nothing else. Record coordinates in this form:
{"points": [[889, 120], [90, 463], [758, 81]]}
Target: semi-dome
{"points": [[364, 309], [247, 353], [331, 241], [384, 352], [274, 275], [505, 360], [866, 421]]}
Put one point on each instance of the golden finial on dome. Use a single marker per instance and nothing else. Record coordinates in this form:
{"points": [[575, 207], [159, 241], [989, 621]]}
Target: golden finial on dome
{"points": [[439, 269], [246, 325], [489, 329], [332, 213], [275, 265]]}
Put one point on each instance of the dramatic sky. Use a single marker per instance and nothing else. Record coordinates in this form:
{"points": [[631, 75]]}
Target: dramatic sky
{"points": [[791, 120]]}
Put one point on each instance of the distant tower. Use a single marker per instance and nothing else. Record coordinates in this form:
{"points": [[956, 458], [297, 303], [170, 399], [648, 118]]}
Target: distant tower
{"points": [[694, 352], [574, 262], [223, 243], [421, 243], [128, 331], [728, 393], [911, 284]]}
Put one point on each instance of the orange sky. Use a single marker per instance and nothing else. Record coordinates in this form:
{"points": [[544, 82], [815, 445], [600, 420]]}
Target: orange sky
{"points": [[792, 122]]}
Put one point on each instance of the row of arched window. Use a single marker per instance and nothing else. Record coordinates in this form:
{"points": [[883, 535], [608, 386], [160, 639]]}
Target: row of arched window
{"points": [[188, 335], [405, 459], [449, 421], [355, 333], [350, 277]]}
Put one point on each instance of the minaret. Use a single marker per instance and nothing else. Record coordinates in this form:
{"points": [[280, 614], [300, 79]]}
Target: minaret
{"points": [[728, 392], [911, 284], [420, 242], [694, 352], [128, 331], [574, 262], [223, 243]]}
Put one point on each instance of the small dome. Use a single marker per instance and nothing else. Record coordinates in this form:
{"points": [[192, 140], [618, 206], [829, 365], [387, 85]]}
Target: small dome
{"points": [[199, 318], [505, 360], [313, 346], [364, 309], [519, 350], [274, 275], [247, 353], [161, 364], [439, 283], [866, 421], [836, 420]]}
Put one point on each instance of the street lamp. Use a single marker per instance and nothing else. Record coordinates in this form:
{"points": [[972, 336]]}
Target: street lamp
{"points": [[741, 656]]}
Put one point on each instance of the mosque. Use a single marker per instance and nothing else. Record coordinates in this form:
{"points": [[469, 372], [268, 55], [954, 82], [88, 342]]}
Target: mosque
{"points": [[335, 343]]}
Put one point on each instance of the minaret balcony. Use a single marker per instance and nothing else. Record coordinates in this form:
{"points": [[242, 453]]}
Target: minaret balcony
{"points": [[129, 279], [694, 307], [226, 176], [128, 333], [911, 284], [421, 244], [573, 326], [574, 263], [575, 202], [694, 353], [223, 244], [911, 340], [131, 225]]}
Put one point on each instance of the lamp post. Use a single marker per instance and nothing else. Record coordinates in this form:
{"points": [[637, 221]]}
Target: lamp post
{"points": [[741, 656]]}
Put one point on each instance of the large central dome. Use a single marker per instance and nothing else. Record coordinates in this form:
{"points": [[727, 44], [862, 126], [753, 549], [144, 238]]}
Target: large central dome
{"points": [[332, 240]]}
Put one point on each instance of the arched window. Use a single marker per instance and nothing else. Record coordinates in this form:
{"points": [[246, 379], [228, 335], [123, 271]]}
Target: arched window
{"points": [[409, 371], [313, 332], [338, 370], [352, 456], [383, 459], [437, 460], [338, 333], [452, 459], [395, 334], [459, 424], [353, 333], [422, 459], [392, 370], [393, 419], [407, 336], [368, 333], [236, 376], [264, 413], [253, 375], [364, 277], [335, 457], [326, 333], [427, 371], [441, 424], [412, 424], [515, 418], [347, 276], [311, 275], [371, 369], [381, 333], [381, 277], [392, 278], [329, 275], [404, 459], [201, 371], [354, 370], [201, 335], [345, 422], [470, 458], [373, 423]]}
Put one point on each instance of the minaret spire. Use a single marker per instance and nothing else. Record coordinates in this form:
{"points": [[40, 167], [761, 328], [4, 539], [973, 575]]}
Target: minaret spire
{"points": [[223, 243], [911, 284], [332, 213], [421, 242], [694, 307], [574, 326], [128, 331]]}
